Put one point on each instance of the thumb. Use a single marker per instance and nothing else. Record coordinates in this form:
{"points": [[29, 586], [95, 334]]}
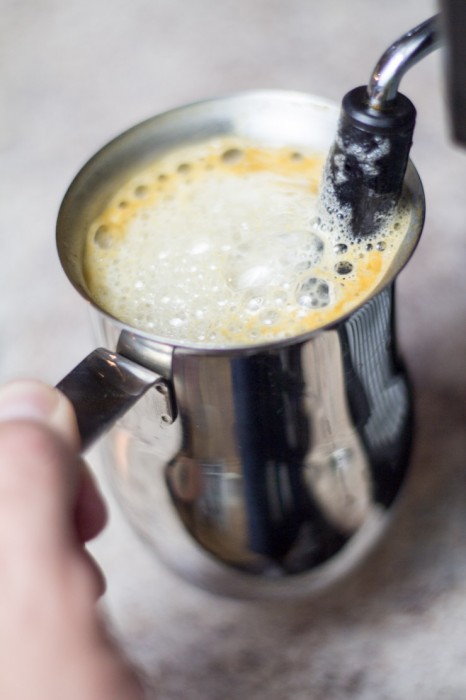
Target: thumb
{"points": [[32, 400], [39, 469]]}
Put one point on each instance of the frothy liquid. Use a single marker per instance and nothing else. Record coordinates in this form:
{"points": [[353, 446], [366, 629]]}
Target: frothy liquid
{"points": [[221, 244]]}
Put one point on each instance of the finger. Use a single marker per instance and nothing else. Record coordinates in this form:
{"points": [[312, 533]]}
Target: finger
{"points": [[39, 477], [91, 513], [49, 503], [95, 572], [38, 534], [40, 403], [33, 400]]}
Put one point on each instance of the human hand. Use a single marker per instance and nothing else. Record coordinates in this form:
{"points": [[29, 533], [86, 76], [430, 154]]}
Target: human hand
{"points": [[53, 643]]}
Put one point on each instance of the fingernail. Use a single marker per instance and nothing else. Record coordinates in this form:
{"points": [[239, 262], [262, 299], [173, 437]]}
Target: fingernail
{"points": [[32, 400]]}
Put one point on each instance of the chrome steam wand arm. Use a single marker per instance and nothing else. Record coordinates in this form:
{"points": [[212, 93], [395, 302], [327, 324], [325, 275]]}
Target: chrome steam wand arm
{"points": [[399, 58]]}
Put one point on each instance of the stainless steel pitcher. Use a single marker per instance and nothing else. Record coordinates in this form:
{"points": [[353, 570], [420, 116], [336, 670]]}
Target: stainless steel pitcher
{"points": [[251, 471]]}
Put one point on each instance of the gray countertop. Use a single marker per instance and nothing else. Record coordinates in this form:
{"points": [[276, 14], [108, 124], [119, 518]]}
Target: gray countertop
{"points": [[72, 75]]}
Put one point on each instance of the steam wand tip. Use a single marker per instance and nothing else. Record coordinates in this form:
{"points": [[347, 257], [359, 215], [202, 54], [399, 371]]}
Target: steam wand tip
{"points": [[365, 169]]}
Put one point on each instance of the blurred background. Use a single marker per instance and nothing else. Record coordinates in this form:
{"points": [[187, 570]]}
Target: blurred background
{"points": [[75, 73]]}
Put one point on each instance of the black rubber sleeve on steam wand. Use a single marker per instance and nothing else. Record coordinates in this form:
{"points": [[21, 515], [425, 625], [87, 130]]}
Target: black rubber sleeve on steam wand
{"points": [[368, 161]]}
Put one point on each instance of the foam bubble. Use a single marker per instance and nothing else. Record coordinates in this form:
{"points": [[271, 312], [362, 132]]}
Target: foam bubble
{"points": [[344, 267], [314, 293], [103, 237], [232, 155]]}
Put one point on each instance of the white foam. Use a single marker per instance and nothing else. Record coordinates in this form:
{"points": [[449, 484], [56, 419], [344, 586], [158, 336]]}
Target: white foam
{"points": [[208, 250]]}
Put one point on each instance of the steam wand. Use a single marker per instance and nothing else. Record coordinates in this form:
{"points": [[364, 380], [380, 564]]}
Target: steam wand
{"points": [[366, 166]]}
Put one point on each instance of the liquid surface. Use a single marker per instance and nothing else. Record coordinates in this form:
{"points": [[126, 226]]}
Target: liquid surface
{"points": [[220, 244]]}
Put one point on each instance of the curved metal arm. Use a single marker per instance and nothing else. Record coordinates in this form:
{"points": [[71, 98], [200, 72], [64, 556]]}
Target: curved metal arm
{"points": [[399, 58], [102, 388]]}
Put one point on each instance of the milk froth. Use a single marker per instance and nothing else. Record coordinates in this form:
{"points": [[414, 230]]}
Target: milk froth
{"points": [[222, 244]]}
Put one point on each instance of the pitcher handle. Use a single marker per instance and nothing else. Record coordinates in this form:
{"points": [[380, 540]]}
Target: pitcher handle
{"points": [[103, 387]]}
